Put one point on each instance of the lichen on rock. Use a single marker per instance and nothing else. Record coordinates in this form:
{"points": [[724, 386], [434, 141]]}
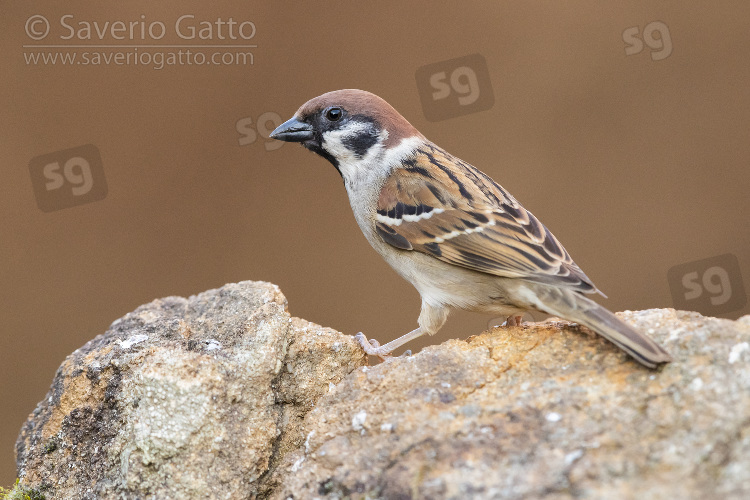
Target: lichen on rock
{"points": [[225, 395]]}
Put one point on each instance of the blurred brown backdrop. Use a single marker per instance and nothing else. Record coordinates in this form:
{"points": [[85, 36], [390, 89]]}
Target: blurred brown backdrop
{"points": [[638, 163]]}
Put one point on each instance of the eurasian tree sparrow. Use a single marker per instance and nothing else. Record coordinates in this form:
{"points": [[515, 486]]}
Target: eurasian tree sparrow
{"points": [[460, 238]]}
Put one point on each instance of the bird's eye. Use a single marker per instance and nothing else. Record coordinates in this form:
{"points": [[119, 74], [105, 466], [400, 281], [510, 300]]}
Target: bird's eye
{"points": [[334, 114]]}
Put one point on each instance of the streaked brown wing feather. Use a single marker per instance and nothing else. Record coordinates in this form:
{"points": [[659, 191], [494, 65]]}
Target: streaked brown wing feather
{"points": [[426, 207]]}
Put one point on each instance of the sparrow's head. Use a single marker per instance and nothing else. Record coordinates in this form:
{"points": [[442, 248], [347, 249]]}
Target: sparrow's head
{"points": [[346, 127]]}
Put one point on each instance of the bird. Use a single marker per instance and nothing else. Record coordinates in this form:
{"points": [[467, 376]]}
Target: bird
{"points": [[462, 240]]}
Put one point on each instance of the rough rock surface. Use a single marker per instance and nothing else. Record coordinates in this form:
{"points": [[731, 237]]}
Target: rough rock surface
{"points": [[183, 398], [542, 411], [224, 395]]}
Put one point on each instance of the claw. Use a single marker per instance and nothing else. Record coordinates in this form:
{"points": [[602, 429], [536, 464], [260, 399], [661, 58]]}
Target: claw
{"points": [[371, 347], [363, 342]]}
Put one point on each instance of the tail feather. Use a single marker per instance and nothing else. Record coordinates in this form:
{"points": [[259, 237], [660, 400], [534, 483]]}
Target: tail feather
{"points": [[573, 306], [624, 336]]}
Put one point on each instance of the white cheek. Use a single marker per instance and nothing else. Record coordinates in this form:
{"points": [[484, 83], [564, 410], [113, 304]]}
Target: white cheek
{"points": [[333, 141], [361, 169], [353, 168]]}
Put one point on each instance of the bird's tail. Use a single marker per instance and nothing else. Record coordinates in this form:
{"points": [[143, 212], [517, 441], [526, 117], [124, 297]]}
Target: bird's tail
{"points": [[573, 306]]}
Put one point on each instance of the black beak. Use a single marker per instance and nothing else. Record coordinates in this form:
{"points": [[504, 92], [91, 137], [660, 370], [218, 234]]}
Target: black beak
{"points": [[293, 130]]}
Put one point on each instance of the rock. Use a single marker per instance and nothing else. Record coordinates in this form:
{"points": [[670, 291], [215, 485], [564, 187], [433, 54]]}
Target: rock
{"points": [[224, 395], [540, 411], [183, 398]]}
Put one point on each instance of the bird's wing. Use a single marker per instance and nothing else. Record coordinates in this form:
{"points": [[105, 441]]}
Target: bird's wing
{"points": [[425, 206]]}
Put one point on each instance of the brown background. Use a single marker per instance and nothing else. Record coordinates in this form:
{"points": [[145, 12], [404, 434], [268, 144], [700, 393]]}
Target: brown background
{"points": [[636, 165]]}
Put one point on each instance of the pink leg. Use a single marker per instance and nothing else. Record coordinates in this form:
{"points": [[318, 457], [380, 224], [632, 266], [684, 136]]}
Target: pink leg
{"points": [[373, 348]]}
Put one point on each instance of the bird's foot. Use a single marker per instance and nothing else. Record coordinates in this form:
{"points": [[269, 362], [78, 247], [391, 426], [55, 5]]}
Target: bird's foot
{"points": [[372, 347]]}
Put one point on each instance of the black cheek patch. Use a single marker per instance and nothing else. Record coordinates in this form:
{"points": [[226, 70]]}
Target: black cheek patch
{"points": [[360, 143]]}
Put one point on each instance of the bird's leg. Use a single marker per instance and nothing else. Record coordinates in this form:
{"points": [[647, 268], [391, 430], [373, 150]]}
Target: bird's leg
{"points": [[376, 344], [372, 347], [431, 318]]}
